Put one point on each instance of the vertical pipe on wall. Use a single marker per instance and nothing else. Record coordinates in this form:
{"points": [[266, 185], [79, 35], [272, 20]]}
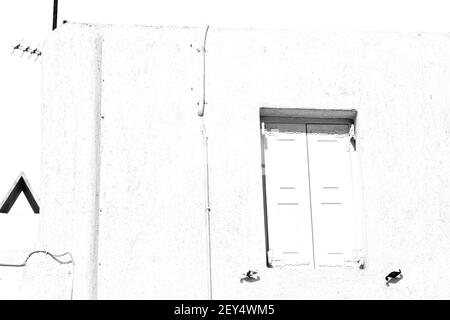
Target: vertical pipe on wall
{"points": [[207, 210], [202, 49], [201, 112], [95, 225], [55, 14]]}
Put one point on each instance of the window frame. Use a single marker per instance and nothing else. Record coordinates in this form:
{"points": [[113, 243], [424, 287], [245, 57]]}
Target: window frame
{"points": [[325, 117]]}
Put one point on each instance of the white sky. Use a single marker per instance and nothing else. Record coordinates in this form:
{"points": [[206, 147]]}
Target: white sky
{"points": [[31, 21]]}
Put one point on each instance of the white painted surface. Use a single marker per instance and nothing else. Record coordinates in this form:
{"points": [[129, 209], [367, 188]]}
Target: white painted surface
{"points": [[287, 193], [69, 162], [150, 189], [19, 231], [147, 228], [331, 195], [309, 191]]}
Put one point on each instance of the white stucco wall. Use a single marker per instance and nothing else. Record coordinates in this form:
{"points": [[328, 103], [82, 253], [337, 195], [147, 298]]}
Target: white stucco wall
{"points": [[399, 84], [122, 155], [70, 106]]}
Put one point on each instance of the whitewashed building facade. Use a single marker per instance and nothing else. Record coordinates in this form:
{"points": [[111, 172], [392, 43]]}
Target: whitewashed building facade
{"points": [[321, 161]]}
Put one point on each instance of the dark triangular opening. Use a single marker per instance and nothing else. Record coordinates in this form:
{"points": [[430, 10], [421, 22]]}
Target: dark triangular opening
{"points": [[20, 185]]}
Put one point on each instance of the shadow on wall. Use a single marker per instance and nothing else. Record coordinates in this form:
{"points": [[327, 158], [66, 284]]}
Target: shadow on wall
{"points": [[250, 279], [394, 280]]}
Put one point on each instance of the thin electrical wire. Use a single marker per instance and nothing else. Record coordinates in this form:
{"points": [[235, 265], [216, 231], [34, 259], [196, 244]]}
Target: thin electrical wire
{"points": [[54, 257], [207, 208], [201, 112]]}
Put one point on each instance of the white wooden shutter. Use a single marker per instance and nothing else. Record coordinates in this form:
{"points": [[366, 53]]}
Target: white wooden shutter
{"points": [[331, 194], [287, 192]]}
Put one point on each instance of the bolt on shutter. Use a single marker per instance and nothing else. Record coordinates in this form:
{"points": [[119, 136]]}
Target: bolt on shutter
{"points": [[287, 192], [329, 150]]}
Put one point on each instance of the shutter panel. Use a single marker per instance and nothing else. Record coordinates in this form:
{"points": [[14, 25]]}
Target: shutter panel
{"points": [[287, 192], [331, 194]]}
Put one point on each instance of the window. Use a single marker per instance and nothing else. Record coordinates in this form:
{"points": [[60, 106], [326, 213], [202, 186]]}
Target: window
{"points": [[309, 196]]}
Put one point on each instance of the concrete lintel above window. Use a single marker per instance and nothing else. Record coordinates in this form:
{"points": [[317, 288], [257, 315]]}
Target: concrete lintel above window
{"points": [[301, 115]]}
